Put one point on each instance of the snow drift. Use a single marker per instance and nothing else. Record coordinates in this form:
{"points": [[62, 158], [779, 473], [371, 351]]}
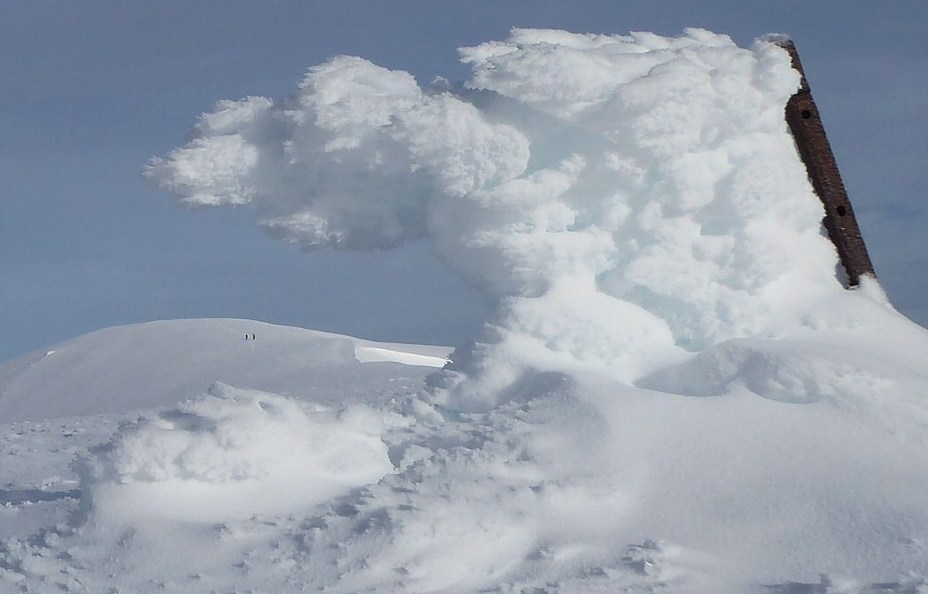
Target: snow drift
{"points": [[675, 392], [216, 458]]}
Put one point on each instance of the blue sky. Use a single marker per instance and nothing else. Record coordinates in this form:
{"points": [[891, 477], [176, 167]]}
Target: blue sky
{"points": [[91, 90]]}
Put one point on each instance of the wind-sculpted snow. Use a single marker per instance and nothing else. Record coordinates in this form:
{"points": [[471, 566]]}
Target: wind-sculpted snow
{"points": [[623, 199]]}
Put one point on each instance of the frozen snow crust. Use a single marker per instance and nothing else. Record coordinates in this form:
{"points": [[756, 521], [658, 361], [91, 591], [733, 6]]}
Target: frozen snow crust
{"points": [[675, 393]]}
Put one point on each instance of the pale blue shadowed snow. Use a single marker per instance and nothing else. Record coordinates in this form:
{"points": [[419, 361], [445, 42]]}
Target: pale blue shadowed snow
{"points": [[674, 393], [156, 364]]}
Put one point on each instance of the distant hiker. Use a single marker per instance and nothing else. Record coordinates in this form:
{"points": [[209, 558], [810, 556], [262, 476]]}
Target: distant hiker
{"points": [[246, 337], [252, 335]]}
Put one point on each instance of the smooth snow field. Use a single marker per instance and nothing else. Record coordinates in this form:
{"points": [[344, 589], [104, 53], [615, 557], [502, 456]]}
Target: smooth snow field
{"points": [[675, 392]]}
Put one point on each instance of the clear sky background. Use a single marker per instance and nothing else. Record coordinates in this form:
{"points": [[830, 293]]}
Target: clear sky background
{"points": [[91, 90]]}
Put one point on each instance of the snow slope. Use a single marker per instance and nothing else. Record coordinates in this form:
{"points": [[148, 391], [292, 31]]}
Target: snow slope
{"points": [[161, 363], [59, 402], [675, 392], [575, 483]]}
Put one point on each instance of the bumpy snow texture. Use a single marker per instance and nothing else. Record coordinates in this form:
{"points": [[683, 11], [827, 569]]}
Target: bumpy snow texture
{"points": [[675, 392]]}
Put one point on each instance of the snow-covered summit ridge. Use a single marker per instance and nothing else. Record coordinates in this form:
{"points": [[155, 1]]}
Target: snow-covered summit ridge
{"points": [[160, 363]]}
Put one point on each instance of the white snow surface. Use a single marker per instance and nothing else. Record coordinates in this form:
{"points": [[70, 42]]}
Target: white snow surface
{"points": [[217, 457], [675, 392]]}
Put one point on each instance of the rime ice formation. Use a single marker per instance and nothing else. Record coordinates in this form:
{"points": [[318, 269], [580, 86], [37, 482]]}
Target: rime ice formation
{"points": [[624, 199]]}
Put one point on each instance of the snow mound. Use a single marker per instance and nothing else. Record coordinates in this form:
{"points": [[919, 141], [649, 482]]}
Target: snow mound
{"points": [[856, 354], [162, 363], [232, 454]]}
